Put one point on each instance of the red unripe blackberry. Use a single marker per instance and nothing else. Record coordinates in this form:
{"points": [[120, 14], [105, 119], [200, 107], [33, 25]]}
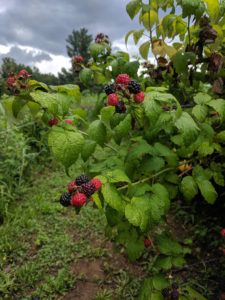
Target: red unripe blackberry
{"points": [[222, 232], [68, 121], [71, 186], [110, 89], [134, 87], [78, 58], [88, 188], [147, 243], [81, 179], [78, 199], [113, 99], [23, 74], [123, 79], [11, 81], [53, 121], [139, 97], [120, 107], [97, 183], [65, 199]]}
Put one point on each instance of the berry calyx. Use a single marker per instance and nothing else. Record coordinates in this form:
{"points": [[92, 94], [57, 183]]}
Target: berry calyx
{"points": [[113, 99], [88, 188], [110, 89], [81, 179], [78, 200], [53, 121], [222, 232], [139, 97], [120, 107], [68, 121], [23, 74], [65, 199], [78, 59], [134, 87], [123, 79], [147, 243], [97, 183], [71, 187]]}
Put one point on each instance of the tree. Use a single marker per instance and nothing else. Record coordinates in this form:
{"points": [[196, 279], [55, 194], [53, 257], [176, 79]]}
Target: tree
{"points": [[78, 43]]}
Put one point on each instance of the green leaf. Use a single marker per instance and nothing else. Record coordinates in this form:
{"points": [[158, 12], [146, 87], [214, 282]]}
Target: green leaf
{"points": [[181, 61], [178, 262], [137, 35], [107, 113], [144, 49], [133, 8], [112, 197], [221, 136], [69, 89], [202, 98], [86, 76], [207, 190], [128, 35], [116, 175], [96, 50], [17, 106], [97, 200], [46, 100], [88, 149], [65, 145], [97, 132], [188, 128], [219, 106], [213, 8], [200, 112], [168, 246], [206, 148], [163, 262], [189, 188], [159, 282], [194, 294], [149, 19], [134, 248], [122, 129]]}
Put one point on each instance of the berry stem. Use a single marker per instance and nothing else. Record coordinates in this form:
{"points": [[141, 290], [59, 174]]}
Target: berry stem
{"points": [[146, 179]]}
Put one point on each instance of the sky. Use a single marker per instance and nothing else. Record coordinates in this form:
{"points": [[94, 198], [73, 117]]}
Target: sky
{"points": [[33, 32]]}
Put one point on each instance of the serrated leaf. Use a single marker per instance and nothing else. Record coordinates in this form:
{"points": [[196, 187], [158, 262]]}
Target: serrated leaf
{"points": [[159, 282], [88, 149], [181, 61], [46, 100], [202, 98], [188, 128], [86, 76], [65, 145], [134, 248], [122, 129], [207, 190], [189, 188], [69, 89], [205, 149], [168, 246], [107, 113], [17, 106], [144, 49], [219, 106], [221, 136], [97, 132], [133, 8], [163, 262], [200, 112], [137, 34], [112, 197], [178, 262], [116, 175]]}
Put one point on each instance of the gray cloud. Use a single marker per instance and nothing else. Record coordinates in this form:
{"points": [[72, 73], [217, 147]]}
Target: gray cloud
{"points": [[27, 57], [46, 24]]}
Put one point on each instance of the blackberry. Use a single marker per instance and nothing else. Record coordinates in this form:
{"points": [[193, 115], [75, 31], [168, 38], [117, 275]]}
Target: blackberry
{"points": [[65, 199], [134, 87], [165, 293], [81, 179], [88, 188], [175, 295], [110, 89], [120, 107]]}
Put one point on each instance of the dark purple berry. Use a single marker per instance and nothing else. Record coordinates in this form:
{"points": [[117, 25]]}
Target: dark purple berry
{"points": [[120, 107], [88, 188], [65, 199], [134, 87], [175, 295], [110, 89], [81, 179], [165, 293]]}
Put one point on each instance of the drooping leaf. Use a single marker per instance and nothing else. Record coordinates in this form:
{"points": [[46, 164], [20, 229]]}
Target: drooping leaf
{"points": [[219, 106], [112, 197], [189, 188], [144, 49], [188, 128], [122, 129], [133, 8], [46, 100], [97, 132], [207, 190]]}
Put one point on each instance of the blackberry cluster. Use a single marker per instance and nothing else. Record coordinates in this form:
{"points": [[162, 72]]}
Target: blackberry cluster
{"points": [[110, 89], [120, 107], [81, 179], [65, 199], [88, 188], [171, 293], [134, 87]]}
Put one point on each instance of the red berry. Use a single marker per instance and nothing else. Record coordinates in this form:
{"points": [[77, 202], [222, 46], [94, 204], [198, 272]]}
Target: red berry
{"points": [[11, 81], [68, 121], [147, 243], [97, 183], [78, 200], [222, 232], [23, 74], [78, 59], [71, 186], [53, 121], [123, 79], [139, 97], [113, 99]]}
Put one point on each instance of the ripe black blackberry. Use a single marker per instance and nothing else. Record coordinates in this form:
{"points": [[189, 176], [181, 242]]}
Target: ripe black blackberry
{"points": [[65, 199], [88, 188], [175, 295], [120, 107], [81, 179], [134, 87], [110, 89], [165, 293]]}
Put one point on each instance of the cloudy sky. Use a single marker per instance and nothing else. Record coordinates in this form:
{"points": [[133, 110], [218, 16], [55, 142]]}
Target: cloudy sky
{"points": [[34, 31]]}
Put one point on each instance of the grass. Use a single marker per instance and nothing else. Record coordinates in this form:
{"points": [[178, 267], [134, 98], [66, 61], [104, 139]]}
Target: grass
{"points": [[42, 243]]}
